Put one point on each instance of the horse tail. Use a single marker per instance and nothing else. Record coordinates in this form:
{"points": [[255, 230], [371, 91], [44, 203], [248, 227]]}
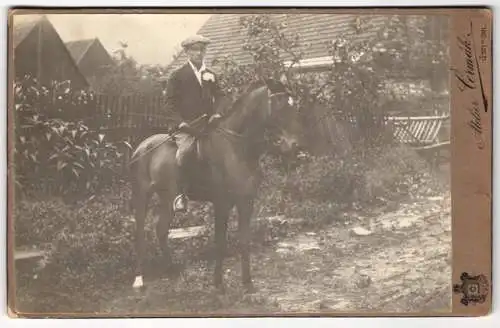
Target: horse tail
{"points": [[130, 169], [133, 168]]}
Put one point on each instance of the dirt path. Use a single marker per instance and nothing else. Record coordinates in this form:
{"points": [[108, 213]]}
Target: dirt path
{"points": [[391, 262]]}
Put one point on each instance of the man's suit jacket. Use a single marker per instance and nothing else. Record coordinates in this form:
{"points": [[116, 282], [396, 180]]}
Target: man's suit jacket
{"points": [[186, 98]]}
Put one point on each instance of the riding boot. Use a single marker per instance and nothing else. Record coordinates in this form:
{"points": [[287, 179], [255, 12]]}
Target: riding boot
{"points": [[181, 200]]}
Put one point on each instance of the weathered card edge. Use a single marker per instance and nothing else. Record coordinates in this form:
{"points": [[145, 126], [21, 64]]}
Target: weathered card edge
{"points": [[457, 308]]}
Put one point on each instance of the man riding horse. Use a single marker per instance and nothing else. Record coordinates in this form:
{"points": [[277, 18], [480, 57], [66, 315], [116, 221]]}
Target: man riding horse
{"points": [[191, 93]]}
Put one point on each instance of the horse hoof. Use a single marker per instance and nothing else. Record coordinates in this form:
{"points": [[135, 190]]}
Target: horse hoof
{"points": [[249, 288], [220, 290], [166, 263], [174, 269], [138, 283]]}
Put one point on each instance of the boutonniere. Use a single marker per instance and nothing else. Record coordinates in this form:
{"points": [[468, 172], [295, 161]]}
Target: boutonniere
{"points": [[208, 76]]}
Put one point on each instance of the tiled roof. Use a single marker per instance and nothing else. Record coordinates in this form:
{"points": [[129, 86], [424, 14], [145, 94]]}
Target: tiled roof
{"points": [[315, 30], [78, 48]]}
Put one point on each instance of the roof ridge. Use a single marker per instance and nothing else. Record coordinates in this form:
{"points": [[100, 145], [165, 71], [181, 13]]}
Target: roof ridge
{"points": [[89, 41]]}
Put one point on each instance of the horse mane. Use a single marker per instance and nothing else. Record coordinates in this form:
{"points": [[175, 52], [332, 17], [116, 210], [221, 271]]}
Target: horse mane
{"points": [[228, 110]]}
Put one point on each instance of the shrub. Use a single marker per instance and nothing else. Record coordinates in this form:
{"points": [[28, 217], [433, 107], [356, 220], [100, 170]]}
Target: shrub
{"points": [[37, 222], [55, 151], [90, 242], [318, 188]]}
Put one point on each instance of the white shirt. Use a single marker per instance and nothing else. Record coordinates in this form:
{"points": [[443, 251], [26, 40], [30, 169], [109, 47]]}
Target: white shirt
{"points": [[196, 71]]}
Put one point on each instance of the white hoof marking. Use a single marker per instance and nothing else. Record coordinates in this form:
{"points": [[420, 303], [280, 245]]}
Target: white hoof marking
{"points": [[138, 283]]}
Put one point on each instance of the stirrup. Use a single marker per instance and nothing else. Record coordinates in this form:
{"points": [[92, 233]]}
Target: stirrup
{"points": [[180, 203]]}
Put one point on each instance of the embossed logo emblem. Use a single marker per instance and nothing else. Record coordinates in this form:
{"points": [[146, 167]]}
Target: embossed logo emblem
{"points": [[474, 289]]}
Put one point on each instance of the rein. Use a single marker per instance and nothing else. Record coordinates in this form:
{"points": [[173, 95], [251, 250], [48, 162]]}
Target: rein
{"points": [[170, 136], [230, 132], [226, 131]]}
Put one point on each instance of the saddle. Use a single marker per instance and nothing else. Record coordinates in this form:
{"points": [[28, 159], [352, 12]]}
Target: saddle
{"points": [[197, 146], [199, 131]]}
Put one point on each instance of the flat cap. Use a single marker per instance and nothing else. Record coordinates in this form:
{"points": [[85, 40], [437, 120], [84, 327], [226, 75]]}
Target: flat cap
{"points": [[194, 40]]}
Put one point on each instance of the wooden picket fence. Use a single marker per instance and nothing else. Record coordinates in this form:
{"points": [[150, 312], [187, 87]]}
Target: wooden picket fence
{"points": [[129, 114], [120, 118], [135, 117]]}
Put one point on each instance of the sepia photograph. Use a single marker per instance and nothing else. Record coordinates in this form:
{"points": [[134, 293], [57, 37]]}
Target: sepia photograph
{"points": [[245, 163]]}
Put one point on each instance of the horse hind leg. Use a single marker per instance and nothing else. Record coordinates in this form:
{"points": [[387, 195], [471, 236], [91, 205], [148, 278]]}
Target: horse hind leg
{"points": [[140, 202], [166, 198]]}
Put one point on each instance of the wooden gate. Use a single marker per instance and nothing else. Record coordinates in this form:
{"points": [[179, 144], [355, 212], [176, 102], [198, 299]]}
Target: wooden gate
{"points": [[428, 135]]}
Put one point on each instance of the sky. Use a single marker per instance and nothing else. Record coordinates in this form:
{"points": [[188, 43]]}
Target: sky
{"points": [[151, 38]]}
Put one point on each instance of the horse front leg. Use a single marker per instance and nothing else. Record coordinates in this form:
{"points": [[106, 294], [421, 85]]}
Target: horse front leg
{"points": [[245, 211], [221, 211]]}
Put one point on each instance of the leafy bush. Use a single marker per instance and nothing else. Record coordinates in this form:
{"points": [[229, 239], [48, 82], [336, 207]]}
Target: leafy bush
{"points": [[37, 222], [89, 241], [55, 151], [318, 188]]}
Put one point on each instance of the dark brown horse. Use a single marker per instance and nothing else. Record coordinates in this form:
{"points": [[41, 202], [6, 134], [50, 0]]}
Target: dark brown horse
{"points": [[228, 177]]}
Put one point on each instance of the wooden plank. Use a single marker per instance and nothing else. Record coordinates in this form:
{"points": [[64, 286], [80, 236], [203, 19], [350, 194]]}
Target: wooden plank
{"points": [[415, 128], [430, 133], [133, 112], [417, 118], [126, 112], [434, 146], [436, 130], [115, 112], [155, 120], [20, 254], [105, 111], [143, 111], [159, 119], [151, 111], [420, 129], [119, 123], [189, 232], [93, 111]]}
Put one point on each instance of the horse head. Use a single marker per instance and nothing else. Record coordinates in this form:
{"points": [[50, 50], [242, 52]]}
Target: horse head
{"points": [[283, 120]]}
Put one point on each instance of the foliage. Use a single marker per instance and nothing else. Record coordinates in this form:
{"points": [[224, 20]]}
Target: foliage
{"points": [[320, 187], [354, 87], [127, 76], [89, 245], [55, 151]]}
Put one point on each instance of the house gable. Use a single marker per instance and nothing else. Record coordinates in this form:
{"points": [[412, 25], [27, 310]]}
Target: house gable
{"points": [[41, 53], [92, 58]]}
